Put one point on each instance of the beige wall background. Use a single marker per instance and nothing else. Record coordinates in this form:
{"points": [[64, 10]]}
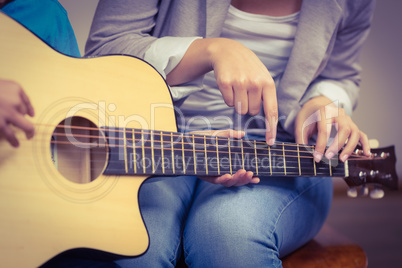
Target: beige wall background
{"points": [[379, 112]]}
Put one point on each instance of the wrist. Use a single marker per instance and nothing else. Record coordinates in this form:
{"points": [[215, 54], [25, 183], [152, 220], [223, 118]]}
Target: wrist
{"points": [[318, 102], [195, 63]]}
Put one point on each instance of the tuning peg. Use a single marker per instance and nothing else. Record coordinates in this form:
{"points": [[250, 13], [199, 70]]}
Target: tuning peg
{"points": [[364, 191], [352, 192], [377, 193]]}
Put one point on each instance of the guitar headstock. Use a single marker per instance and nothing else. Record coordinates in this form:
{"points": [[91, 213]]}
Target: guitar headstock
{"points": [[377, 170]]}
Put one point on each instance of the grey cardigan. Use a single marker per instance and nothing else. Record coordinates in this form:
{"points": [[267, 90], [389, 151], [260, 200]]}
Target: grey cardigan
{"points": [[327, 45]]}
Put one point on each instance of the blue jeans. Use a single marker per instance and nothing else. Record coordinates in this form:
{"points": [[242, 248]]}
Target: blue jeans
{"points": [[215, 226], [248, 226]]}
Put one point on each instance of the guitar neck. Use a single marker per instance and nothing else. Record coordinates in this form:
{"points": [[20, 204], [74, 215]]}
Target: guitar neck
{"points": [[147, 152]]}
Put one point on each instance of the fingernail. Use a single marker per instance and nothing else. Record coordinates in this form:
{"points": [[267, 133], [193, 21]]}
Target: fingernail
{"points": [[317, 156], [271, 142], [256, 180], [329, 155], [344, 158]]}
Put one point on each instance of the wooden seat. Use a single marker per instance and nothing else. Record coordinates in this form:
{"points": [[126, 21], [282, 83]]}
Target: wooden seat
{"points": [[328, 249]]}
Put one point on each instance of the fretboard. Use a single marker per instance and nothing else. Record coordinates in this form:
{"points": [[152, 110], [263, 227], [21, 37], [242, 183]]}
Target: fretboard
{"points": [[148, 152]]}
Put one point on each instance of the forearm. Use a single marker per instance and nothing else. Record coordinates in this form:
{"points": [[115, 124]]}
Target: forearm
{"points": [[196, 62], [201, 57]]}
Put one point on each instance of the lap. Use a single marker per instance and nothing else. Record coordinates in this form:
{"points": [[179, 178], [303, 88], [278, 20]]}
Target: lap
{"points": [[234, 226], [257, 223]]}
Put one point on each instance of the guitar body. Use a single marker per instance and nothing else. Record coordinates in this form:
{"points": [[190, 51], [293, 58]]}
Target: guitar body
{"points": [[42, 213]]}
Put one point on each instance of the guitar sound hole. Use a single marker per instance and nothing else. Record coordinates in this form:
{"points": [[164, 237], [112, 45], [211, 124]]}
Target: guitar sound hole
{"points": [[78, 150]]}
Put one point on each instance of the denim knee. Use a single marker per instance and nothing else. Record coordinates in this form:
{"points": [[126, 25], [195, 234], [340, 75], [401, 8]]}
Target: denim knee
{"points": [[245, 226]]}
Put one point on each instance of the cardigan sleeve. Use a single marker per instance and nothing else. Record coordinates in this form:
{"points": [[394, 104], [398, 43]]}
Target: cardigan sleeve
{"points": [[122, 27], [340, 79], [127, 27]]}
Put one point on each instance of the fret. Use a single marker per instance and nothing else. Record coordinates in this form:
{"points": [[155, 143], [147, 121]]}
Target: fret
{"points": [[346, 169], [189, 154], [152, 152], [278, 162], [134, 153], [230, 157], [143, 152], [147, 152], [284, 158], [194, 156], [264, 161], [315, 167], [250, 157], [183, 155], [224, 155], [340, 169], [127, 148], [125, 151], [330, 168], [242, 153], [162, 154], [206, 155], [256, 158], [139, 152], [166, 153], [235, 155], [310, 168], [307, 167], [298, 158], [212, 157], [157, 150], [323, 168], [199, 155], [217, 154], [270, 160], [292, 159], [172, 148], [337, 168]]}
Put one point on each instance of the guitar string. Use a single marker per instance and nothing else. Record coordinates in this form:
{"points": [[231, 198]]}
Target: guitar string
{"points": [[157, 146], [307, 171], [180, 151], [158, 150], [251, 150], [188, 150], [165, 134], [193, 144], [337, 172], [155, 133]]}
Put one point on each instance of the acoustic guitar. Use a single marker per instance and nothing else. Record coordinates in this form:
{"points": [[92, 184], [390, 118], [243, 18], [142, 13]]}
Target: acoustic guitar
{"points": [[103, 126]]}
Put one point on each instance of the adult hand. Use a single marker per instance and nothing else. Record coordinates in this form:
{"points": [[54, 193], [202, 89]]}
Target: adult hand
{"points": [[318, 115], [241, 177], [244, 81], [14, 105]]}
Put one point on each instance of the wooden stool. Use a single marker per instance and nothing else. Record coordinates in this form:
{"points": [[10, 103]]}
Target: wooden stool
{"points": [[328, 249]]}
